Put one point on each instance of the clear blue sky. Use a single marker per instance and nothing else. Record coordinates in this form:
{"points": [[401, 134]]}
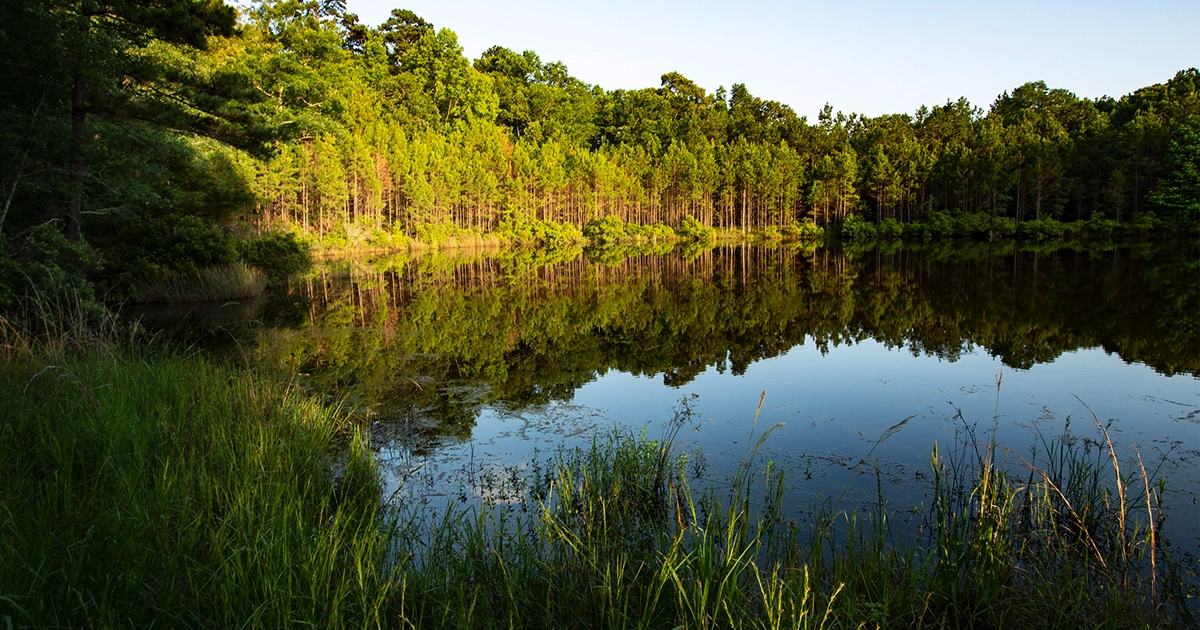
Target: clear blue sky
{"points": [[870, 57]]}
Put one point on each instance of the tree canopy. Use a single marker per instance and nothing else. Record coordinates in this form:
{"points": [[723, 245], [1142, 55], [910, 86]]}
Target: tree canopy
{"points": [[295, 115]]}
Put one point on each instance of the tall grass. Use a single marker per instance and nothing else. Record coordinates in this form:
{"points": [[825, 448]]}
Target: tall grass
{"points": [[144, 491], [222, 282], [614, 537], [45, 325]]}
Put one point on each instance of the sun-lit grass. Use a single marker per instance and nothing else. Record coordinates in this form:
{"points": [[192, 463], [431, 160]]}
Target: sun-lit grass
{"points": [[219, 283], [614, 536], [160, 491]]}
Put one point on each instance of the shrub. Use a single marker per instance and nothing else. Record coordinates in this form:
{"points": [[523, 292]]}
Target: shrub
{"points": [[889, 228], [856, 228], [1145, 222], [137, 247], [524, 230], [278, 254], [691, 229], [605, 229], [1042, 229], [1099, 225], [394, 237], [554, 234], [1002, 227], [803, 230], [660, 232], [943, 224], [770, 233], [43, 262]]}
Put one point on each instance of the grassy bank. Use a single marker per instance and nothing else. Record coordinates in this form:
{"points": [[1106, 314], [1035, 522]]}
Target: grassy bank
{"points": [[148, 489], [161, 491]]}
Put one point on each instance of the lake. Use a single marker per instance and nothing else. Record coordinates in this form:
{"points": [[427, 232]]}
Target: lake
{"points": [[471, 365]]}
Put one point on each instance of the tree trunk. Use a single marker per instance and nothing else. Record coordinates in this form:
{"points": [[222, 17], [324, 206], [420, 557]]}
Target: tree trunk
{"points": [[78, 160]]}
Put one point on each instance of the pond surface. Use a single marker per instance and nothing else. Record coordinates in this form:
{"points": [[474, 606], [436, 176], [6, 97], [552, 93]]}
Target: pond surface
{"points": [[470, 366]]}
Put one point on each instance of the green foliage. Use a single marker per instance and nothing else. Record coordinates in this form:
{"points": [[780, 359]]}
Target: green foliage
{"points": [[611, 229], [1001, 227], [940, 224], [805, 230], [657, 233], [166, 246], [1178, 191], [122, 470], [1146, 222], [607, 229], [446, 234], [352, 136], [769, 233], [279, 254], [1098, 225], [856, 228], [1043, 229], [47, 302], [42, 262], [395, 238], [693, 230], [889, 228], [540, 232]]}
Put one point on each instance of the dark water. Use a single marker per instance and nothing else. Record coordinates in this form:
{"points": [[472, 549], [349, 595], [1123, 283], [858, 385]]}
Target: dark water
{"points": [[470, 366]]}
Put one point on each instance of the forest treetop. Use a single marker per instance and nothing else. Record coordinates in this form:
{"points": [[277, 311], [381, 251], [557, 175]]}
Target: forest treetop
{"points": [[126, 117]]}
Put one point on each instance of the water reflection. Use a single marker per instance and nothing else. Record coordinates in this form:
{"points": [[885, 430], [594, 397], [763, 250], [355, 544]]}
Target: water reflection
{"points": [[468, 365], [425, 344]]}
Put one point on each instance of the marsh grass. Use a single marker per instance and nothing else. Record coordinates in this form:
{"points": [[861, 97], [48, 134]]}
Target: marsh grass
{"points": [[213, 284], [613, 536], [46, 325], [151, 491]]}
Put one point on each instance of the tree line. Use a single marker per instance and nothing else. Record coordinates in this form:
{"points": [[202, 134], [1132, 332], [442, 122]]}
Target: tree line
{"points": [[294, 115]]}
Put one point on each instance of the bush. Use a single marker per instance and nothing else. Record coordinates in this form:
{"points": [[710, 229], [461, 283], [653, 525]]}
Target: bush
{"points": [[943, 224], [278, 254], [1043, 229], [691, 229], [803, 230], [856, 228], [1002, 227], [1099, 225], [889, 228], [554, 234], [770, 233], [657, 233], [43, 262], [539, 232], [393, 238], [137, 247], [1145, 222], [605, 229]]}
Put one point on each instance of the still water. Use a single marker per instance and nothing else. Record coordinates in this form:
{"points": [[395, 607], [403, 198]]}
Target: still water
{"points": [[470, 366]]}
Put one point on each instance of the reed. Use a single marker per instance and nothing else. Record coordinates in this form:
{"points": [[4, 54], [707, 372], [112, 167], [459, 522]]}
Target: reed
{"points": [[213, 284], [614, 537]]}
